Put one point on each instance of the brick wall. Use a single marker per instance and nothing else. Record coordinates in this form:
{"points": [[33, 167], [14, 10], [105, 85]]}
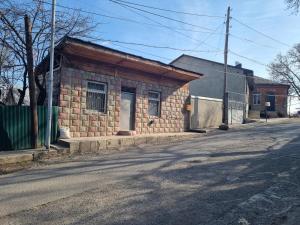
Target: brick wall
{"points": [[280, 99], [83, 122]]}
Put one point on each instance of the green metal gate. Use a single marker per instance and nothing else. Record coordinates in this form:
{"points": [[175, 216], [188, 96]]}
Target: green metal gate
{"points": [[15, 127]]}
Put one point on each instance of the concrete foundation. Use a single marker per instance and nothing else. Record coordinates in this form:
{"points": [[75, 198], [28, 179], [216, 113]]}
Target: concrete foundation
{"points": [[98, 144]]}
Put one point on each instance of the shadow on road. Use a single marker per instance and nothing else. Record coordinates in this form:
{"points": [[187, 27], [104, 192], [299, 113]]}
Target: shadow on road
{"points": [[222, 186]]}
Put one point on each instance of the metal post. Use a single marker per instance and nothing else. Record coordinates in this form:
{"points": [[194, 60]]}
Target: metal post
{"points": [[245, 116], [231, 113], [50, 81], [290, 102]]}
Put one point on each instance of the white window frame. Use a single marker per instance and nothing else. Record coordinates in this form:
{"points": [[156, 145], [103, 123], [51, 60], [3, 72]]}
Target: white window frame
{"points": [[97, 92], [158, 99], [258, 102]]}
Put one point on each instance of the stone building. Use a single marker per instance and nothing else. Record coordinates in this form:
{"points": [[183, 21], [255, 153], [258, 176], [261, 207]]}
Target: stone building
{"points": [[263, 90], [102, 92]]}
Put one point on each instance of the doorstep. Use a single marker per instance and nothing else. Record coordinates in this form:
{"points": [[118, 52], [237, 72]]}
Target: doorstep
{"points": [[96, 144]]}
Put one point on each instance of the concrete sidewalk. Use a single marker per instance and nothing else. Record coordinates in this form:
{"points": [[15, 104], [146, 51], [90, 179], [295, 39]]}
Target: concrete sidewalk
{"points": [[262, 122], [11, 161], [15, 160]]}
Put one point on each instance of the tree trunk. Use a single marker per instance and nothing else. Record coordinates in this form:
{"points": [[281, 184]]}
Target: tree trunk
{"points": [[23, 91], [32, 88], [42, 92]]}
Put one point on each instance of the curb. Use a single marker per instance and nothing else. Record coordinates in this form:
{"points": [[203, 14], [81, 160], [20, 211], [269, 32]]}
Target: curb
{"points": [[121, 143], [12, 161]]}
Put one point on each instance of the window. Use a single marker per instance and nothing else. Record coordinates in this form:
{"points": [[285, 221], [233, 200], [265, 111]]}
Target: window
{"points": [[154, 103], [256, 99], [96, 96]]}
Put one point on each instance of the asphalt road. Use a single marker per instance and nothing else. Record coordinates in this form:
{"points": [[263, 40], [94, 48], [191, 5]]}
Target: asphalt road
{"points": [[243, 177]]}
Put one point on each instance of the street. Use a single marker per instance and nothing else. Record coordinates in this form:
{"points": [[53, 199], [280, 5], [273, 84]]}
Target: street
{"points": [[243, 177]]}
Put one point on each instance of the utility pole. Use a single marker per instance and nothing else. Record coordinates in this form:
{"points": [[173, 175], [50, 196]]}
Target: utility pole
{"points": [[290, 102], [50, 81], [225, 94], [32, 88]]}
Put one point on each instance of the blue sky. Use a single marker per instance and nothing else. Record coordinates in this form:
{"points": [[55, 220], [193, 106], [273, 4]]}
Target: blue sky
{"points": [[270, 17]]}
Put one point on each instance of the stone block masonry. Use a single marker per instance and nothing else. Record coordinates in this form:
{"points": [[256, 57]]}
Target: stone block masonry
{"points": [[89, 123]]}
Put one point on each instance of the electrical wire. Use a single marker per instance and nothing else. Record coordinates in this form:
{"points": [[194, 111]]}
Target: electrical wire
{"points": [[161, 16], [201, 42], [144, 45], [261, 33], [123, 19], [126, 19], [251, 41], [169, 10]]}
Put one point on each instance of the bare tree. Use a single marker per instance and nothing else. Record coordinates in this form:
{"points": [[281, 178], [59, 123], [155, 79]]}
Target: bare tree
{"points": [[287, 68], [12, 35], [294, 5]]}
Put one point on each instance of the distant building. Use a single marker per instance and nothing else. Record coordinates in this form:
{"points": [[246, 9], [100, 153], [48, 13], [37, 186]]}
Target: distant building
{"points": [[263, 90], [209, 90]]}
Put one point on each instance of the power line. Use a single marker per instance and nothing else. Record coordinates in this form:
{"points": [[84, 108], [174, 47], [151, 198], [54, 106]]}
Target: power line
{"points": [[124, 5], [134, 43], [178, 32], [169, 10], [123, 19], [220, 37], [176, 49], [164, 26], [251, 41], [161, 16], [183, 34], [144, 45], [249, 59], [166, 58], [137, 50], [261, 33], [208, 36], [165, 47], [140, 44]]}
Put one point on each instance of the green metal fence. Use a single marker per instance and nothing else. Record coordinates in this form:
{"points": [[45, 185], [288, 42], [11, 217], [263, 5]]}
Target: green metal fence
{"points": [[15, 127]]}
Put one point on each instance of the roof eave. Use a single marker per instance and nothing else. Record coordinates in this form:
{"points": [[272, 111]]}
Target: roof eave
{"points": [[90, 50]]}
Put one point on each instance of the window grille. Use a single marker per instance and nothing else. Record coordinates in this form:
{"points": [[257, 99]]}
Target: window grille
{"points": [[96, 96], [154, 103]]}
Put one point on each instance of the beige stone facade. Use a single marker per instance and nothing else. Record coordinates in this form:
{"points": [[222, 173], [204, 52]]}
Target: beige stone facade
{"points": [[103, 92], [88, 123]]}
